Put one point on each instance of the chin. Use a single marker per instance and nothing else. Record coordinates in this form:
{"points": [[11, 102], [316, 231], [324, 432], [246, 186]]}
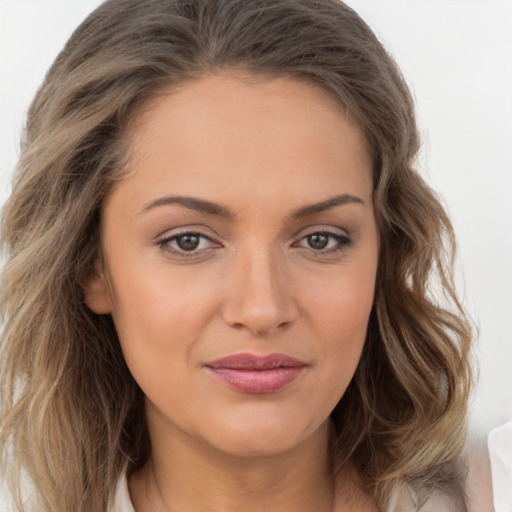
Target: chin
{"points": [[259, 438], [256, 446]]}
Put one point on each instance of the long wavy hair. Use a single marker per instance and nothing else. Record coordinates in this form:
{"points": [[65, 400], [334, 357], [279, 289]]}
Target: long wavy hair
{"points": [[72, 416]]}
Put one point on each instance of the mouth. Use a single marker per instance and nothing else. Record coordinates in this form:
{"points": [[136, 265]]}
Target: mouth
{"points": [[248, 373]]}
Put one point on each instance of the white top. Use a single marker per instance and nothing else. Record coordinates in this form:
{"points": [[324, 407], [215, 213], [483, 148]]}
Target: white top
{"points": [[435, 504], [479, 485], [500, 451], [122, 502]]}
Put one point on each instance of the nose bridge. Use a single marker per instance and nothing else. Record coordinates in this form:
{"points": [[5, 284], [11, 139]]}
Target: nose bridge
{"points": [[259, 295]]}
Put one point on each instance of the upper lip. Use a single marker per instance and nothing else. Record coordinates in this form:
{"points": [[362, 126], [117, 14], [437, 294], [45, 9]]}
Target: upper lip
{"points": [[247, 361]]}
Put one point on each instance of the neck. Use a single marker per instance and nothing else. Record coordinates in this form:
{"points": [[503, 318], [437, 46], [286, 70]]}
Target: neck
{"points": [[185, 475]]}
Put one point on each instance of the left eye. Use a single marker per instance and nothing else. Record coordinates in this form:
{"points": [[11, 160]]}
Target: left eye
{"points": [[323, 241], [186, 242]]}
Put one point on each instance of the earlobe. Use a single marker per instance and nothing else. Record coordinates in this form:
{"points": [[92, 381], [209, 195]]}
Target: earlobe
{"points": [[97, 294]]}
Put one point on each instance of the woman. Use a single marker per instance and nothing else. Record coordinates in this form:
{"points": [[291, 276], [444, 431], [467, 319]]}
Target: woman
{"points": [[227, 288]]}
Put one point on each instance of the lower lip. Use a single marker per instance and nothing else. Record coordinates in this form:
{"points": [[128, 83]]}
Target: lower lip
{"points": [[257, 381]]}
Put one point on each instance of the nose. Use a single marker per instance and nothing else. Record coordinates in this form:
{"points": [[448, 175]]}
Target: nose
{"points": [[259, 294]]}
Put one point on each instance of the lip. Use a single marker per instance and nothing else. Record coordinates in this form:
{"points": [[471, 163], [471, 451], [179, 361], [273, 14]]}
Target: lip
{"points": [[249, 373]]}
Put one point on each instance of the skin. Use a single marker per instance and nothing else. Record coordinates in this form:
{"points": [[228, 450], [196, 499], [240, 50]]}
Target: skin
{"points": [[264, 151]]}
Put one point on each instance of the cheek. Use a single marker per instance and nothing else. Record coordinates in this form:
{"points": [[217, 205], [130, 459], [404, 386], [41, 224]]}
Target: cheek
{"points": [[159, 317], [160, 304], [342, 302], [344, 335], [341, 310]]}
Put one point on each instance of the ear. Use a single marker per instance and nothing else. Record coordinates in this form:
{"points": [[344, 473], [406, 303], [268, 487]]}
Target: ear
{"points": [[97, 293]]}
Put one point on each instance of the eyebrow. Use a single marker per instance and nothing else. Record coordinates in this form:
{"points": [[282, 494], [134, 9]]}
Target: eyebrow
{"points": [[192, 203], [326, 205], [203, 206]]}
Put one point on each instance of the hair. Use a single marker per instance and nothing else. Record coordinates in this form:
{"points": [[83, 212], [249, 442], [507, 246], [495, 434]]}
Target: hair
{"points": [[72, 416]]}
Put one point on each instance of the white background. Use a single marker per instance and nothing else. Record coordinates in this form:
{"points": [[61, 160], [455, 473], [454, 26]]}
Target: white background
{"points": [[457, 57]]}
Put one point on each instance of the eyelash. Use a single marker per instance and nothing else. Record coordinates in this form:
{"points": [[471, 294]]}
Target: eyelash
{"points": [[164, 244], [343, 242]]}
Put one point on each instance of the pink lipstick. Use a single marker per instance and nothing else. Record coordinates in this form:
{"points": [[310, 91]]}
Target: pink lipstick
{"points": [[249, 373]]}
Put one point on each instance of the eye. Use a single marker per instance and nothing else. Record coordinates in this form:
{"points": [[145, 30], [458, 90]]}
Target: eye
{"points": [[318, 241], [187, 243], [324, 241]]}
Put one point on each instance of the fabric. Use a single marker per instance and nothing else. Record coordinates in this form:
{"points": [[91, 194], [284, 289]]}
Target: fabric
{"points": [[123, 502], [478, 483], [406, 503], [500, 452]]}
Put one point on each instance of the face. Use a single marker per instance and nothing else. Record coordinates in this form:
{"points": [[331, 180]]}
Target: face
{"points": [[240, 260]]}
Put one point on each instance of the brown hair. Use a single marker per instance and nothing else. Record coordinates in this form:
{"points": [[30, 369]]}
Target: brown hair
{"points": [[72, 415]]}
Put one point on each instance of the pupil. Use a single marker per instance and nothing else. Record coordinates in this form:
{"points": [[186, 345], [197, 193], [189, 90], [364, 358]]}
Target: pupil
{"points": [[318, 241], [188, 242]]}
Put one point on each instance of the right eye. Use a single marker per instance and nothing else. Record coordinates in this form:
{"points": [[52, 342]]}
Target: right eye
{"points": [[187, 243]]}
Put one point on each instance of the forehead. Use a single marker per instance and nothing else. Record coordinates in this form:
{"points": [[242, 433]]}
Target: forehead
{"points": [[247, 132], [243, 98]]}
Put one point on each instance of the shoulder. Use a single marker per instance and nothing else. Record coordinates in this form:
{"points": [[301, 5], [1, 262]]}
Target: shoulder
{"points": [[500, 452], [478, 482], [122, 501], [479, 479], [476, 466]]}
